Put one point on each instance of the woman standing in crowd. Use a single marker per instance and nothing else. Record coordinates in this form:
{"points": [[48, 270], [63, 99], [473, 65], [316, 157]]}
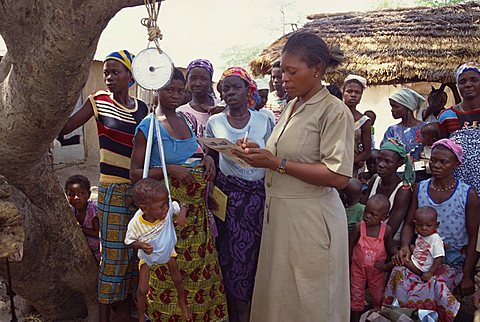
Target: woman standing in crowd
{"points": [[462, 123], [238, 240], [353, 88], [188, 174], [404, 102], [199, 83], [303, 267], [277, 98], [388, 183], [117, 115], [456, 204]]}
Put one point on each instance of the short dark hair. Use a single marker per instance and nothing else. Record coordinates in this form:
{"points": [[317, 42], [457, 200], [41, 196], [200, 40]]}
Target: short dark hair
{"points": [[78, 179], [276, 64], [147, 189], [335, 91], [311, 49], [431, 128], [178, 75]]}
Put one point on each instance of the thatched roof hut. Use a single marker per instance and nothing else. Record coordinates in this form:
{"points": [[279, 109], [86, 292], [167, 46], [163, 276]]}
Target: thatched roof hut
{"points": [[394, 46]]}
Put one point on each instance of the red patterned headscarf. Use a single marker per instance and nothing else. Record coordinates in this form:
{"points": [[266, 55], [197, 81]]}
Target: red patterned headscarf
{"points": [[243, 74]]}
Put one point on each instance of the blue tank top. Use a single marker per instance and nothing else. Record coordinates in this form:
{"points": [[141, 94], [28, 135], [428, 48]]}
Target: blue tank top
{"points": [[451, 213]]}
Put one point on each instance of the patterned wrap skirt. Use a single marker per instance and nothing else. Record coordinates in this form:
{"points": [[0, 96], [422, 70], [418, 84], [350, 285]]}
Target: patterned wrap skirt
{"points": [[196, 259], [118, 274], [436, 294], [238, 241]]}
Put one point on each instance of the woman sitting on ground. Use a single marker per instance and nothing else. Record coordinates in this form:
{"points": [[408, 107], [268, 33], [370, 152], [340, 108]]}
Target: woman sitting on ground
{"points": [[390, 184], [456, 204]]}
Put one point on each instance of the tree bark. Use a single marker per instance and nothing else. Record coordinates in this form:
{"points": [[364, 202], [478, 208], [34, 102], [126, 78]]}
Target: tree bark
{"points": [[51, 44]]}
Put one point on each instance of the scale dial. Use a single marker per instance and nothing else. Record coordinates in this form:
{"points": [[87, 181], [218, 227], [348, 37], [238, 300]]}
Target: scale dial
{"points": [[152, 70]]}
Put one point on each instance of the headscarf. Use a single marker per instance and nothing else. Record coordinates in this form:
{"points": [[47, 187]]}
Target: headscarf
{"points": [[201, 63], [465, 68], [357, 78], [261, 84], [396, 146], [124, 57], [408, 98], [452, 146], [252, 94]]}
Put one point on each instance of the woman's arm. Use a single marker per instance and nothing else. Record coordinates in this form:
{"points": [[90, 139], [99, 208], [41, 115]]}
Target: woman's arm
{"points": [[399, 210], [467, 286], [403, 255], [366, 142], [79, 118], [314, 173]]}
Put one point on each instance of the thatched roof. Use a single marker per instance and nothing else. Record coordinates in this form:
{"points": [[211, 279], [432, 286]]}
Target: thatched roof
{"points": [[394, 46]]}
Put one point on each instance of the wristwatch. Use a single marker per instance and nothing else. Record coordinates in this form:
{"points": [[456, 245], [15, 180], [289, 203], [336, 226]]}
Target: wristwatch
{"points": [[281, 166]]}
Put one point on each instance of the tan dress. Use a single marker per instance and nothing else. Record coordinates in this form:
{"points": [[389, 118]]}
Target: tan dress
{"points": [[302, 272]]}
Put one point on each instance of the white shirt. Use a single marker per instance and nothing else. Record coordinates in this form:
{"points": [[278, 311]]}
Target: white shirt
{"points": [[259, 129], [426, 250]]}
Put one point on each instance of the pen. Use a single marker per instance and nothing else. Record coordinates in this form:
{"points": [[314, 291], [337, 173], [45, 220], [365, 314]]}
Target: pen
{"points": [[245, 137]]}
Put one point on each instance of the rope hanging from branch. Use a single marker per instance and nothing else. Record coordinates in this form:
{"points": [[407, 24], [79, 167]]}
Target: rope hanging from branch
{"points": [[154, 33]]}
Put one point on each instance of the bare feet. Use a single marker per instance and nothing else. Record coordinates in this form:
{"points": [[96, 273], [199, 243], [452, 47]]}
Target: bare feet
{"points": [[186, 311]]}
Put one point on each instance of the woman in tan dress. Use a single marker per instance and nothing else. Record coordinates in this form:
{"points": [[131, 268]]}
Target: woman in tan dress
{"points": [[302, 272]]}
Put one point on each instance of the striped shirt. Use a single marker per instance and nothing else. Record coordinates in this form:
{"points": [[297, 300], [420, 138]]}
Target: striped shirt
{"points": [[453, 119], [116, 127]]}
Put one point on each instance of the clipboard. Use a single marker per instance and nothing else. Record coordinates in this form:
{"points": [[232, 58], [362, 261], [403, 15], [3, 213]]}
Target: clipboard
{"points": [[221, 199]]}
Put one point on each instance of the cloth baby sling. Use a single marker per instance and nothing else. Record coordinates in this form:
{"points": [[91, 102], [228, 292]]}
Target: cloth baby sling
{"points": [[164, 243]]}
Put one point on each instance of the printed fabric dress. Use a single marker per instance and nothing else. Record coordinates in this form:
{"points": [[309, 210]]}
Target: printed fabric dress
{"points": [[303, 272], [464, 128], [91, 213], [196, 254], [408, 136], [436, 294]]}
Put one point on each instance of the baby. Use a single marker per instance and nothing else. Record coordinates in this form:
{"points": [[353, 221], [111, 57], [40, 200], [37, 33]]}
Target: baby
{"points": [[151, 231], [428, 253], [371, 244]]}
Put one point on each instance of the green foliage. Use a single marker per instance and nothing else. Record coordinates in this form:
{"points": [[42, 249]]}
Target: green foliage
{"points": [[240, 56], [438, 3], [389, 4]]}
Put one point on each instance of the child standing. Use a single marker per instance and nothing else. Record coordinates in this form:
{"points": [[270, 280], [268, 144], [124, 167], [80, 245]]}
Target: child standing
{"points": [[428, 253], [350, 196], [151, 232], [371, 243], [77, 188]]}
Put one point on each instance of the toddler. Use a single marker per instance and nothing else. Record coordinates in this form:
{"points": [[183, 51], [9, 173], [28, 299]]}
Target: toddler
{"points": [[371, 243], [428, 253], [77, 189], [151, 231], [350, 196]]}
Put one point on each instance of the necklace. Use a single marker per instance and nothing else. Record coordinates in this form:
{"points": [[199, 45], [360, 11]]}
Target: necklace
{"points": [[201, 106], [239, 117], [444, 189]]}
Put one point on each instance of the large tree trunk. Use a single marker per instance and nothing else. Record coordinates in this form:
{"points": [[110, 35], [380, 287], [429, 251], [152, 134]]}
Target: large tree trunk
{"points": [[51, 44]]}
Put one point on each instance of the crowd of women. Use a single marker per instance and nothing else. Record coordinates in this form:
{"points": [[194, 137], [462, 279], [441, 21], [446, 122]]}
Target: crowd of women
{"points": [[282, 252]]}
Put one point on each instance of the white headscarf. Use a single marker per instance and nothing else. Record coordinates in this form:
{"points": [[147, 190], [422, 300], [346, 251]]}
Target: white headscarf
{"points": [[261, 84], [408, 98], [357, 78]]}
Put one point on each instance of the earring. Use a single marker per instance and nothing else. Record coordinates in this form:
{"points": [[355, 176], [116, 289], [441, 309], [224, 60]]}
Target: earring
{"points": [[316, 76]]}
